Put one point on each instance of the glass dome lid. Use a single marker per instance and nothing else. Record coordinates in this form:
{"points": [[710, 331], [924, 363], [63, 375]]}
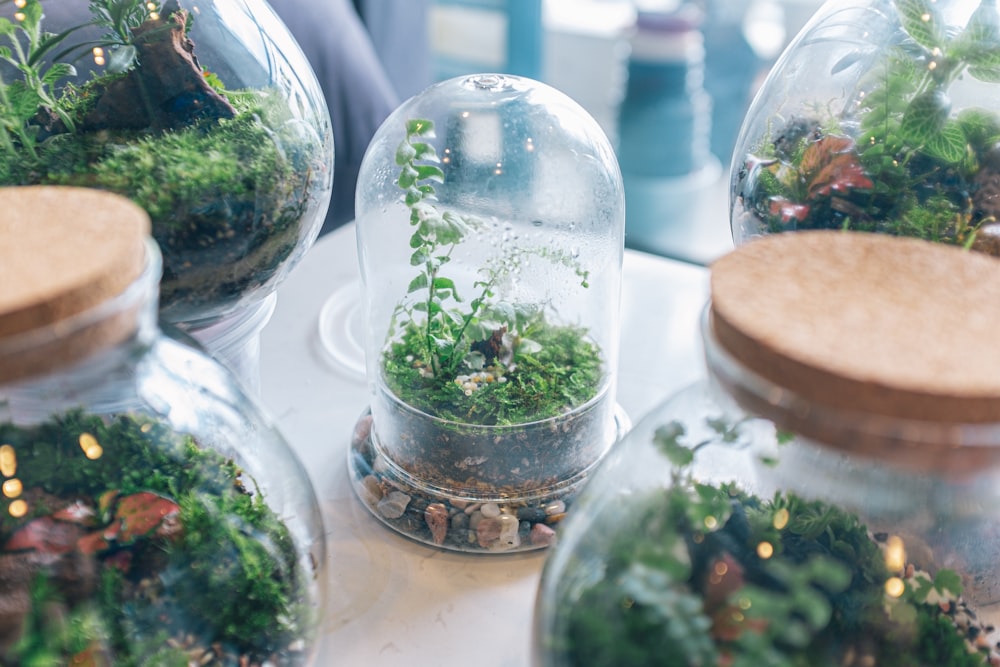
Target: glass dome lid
{"points": [[880, 116], [490, 223], [206, 114]]}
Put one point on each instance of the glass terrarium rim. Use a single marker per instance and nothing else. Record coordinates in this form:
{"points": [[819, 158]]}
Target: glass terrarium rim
{"points": [[947, 436], [141, 292], [500, 429]]}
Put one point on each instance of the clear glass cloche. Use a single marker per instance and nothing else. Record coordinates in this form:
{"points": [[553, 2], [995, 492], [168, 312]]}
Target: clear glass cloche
{"points": [[826, 496], [881, 115], [490, 223], [205, 113], [150, 514]]}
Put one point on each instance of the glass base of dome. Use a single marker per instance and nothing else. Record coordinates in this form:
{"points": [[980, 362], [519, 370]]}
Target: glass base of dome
{"points": [[505, 522], [341, 330]]}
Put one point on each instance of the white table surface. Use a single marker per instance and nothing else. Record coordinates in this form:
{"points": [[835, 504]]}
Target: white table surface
{"points": [[393, 601]]}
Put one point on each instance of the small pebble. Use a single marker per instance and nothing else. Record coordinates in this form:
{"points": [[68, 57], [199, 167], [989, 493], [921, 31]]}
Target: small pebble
{"points": [[509, 538], [490, 510], [436, 518], [532, 514], [458, 503], [474, 519], [360, 464], [555, 507], [460, 522], [371, 490], [542, 535], [362, 431], [473, 508], [488, 532], [393, 505]]}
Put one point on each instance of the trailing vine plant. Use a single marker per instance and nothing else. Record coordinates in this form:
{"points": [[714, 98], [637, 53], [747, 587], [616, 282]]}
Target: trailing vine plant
{"points": [[447, 348]]}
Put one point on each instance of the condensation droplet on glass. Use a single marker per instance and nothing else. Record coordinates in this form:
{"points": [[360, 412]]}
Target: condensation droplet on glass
{"points": [[536, 223]]}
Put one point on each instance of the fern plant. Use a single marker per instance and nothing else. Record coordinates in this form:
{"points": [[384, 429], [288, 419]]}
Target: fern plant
{"points": [[488, 359]]}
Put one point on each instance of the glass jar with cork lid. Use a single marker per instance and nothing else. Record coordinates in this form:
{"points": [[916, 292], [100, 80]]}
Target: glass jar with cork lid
{"points": [[149, 512], [828, 496]]}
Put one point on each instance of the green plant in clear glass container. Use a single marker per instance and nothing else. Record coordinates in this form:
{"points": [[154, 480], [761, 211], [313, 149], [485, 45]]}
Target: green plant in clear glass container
{"points": [[211, 123], [880, 116], [490, 366]]}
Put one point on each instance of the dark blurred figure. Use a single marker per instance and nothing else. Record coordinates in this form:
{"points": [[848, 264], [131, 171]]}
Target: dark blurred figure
{"points": [[364, 69]]}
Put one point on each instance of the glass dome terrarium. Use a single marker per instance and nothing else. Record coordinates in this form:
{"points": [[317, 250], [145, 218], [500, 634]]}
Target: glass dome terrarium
{"points": [[880, 116], [149, 513], [823, 498], [205, 114], [490, 232]]}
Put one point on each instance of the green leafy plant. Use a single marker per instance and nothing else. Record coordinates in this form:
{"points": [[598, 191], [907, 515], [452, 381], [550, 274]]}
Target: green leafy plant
{"points": [[699, 574], [485, 360], [227, 176], [144, 552], [897, 160]]}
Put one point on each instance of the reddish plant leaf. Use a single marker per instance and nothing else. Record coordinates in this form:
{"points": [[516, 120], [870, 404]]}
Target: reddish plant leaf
{"points": [[79, 512], [92, 656], [840, 174], [820, 152], [46, 535], [94, 542], [142, 513], [789, 210]]}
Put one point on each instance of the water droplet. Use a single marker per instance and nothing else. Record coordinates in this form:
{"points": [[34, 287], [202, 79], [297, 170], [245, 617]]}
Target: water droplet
{"points": [[537, 223]]}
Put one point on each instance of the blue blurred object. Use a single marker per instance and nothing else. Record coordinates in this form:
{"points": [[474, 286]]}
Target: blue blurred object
{"points": [[731, 68], [664, 127], [474, 36]]}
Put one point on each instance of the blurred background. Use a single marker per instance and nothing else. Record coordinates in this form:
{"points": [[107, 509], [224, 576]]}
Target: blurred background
{"points": [[668, 80]]}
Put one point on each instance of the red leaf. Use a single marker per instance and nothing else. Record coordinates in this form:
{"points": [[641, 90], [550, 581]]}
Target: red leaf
{"points": [[840, 174], [789, 210], [46, 535], [142, 513], [79, 512], [822, 151]]}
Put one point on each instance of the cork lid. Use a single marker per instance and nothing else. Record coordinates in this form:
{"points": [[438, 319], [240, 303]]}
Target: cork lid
{"points": [[64, 251], [869, 326]]}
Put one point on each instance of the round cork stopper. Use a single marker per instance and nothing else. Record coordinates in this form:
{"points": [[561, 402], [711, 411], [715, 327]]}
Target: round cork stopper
{"points": [[864, 324], [64, 251]]}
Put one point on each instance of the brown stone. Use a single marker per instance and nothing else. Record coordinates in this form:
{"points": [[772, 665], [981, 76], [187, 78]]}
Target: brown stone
{"points": [[436, 517], [488, 532]]}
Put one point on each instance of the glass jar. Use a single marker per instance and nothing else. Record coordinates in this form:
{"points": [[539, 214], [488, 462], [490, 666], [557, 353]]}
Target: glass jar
{"points": [[827, 496], [205, 114], [149, 514], [879, 116], [490, 223]]}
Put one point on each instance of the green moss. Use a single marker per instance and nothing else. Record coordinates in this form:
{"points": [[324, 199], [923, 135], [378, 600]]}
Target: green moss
{"points": [[562, 374], [817, 598], [232, 577], [911, 168]]}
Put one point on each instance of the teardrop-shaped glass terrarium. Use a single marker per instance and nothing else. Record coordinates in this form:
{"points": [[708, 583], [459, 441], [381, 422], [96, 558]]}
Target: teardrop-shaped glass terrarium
{"points": [[206, 114], [881, 115], [490, 233]]}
